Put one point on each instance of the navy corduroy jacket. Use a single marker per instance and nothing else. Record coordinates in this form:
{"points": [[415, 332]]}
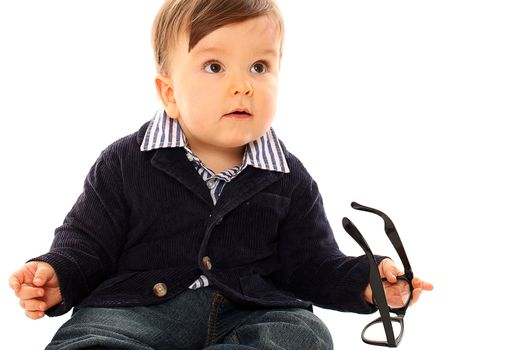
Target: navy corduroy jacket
{"points": [[146, 218]]}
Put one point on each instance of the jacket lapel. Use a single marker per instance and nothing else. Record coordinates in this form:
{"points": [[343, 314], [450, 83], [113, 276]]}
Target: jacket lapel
{"points": [[174, 163]]}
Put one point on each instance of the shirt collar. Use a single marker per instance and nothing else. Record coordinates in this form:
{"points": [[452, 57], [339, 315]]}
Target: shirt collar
{"points": [[264, 153]]}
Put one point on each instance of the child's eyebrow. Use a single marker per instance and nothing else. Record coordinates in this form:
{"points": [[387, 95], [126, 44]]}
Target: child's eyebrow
{"points": [[270, 52], [217, 50], [208, 50]]}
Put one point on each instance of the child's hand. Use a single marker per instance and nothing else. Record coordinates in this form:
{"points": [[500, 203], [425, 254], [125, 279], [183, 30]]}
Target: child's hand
{"points": [[388, 270], [36, 285]]}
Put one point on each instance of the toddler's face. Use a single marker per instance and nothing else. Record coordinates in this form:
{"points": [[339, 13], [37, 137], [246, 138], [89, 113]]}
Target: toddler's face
{"points": [[225, 88]]}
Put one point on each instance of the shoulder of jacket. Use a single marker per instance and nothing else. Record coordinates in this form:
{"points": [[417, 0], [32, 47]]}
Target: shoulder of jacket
{"points": [[294, 164], [125, 146]]}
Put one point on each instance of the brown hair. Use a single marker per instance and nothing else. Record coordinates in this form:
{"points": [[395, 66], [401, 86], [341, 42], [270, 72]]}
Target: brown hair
{"points": [[198, 18]]}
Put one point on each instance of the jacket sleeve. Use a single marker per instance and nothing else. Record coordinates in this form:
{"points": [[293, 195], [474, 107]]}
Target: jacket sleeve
{"points": [[314, 267], [86, 246]]}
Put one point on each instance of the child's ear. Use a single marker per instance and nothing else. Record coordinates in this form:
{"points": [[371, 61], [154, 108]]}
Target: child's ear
{"points": [[165, 91]]}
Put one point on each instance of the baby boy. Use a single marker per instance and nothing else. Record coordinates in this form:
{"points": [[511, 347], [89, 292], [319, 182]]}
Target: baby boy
{"points": [[201, 230]]}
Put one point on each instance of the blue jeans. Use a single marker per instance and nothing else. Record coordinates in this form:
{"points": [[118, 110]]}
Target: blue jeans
{"points": [[196, 319]]}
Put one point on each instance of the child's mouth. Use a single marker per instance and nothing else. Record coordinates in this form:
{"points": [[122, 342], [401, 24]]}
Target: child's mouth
{"points": [[238, 114]]}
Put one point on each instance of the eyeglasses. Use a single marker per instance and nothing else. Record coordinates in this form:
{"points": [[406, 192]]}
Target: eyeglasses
{"points": [[393, 327]]}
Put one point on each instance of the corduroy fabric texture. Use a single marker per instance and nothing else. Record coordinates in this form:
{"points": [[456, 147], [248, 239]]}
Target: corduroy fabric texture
{"points": [[146, 218]]}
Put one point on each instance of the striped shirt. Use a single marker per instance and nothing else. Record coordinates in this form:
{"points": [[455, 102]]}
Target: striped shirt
{"points": [[264, 153]]}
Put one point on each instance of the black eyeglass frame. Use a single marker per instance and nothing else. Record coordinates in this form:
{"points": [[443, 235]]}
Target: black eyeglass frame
{"points": [[376, 282]]}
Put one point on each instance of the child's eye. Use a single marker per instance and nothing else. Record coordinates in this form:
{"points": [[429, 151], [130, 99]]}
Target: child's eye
{"points": [[213, 67], [259, 67]]}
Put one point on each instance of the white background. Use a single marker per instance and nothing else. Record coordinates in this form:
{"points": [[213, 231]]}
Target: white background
{"points": [[413, 107]]}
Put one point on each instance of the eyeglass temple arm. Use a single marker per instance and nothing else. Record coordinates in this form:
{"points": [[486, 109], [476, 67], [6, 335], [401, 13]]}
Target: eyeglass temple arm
{"points": [[392, 235], [375, 280]]}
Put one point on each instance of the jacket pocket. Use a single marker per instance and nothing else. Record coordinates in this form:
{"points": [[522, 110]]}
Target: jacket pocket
{"points": [[116, 280], [256, 286]]}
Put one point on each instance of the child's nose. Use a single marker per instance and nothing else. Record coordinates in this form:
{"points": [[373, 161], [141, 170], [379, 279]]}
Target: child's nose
{"points": [[241, 87]]}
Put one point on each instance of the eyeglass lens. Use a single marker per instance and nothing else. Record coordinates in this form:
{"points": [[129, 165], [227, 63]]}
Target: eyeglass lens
{"points": [[399, 293], [374, 333]]}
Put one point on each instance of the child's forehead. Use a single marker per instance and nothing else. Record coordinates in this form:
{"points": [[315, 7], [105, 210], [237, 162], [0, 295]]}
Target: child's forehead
{"points": [[258, 34], [263, 33]]}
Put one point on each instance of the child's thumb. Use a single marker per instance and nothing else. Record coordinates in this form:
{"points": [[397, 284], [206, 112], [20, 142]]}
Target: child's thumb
{"points": [[43, 274]]}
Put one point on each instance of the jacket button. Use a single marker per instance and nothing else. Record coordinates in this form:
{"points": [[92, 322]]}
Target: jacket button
{"points": [[206, 261], [219, 221], [211, 184], [160, 289]]}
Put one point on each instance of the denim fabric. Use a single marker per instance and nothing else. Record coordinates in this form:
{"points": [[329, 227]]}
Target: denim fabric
{"points": [[196, 319]]}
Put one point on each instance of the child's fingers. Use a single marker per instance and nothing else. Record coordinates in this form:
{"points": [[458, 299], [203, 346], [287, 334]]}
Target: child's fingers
{"points": [[23, 275], [33, 305], [35, 315], [419, 283], [43, 273], [14, 282], [419, 286], [389, 270], [426, 286], [416, 293], [52, 297], [29, 292]]}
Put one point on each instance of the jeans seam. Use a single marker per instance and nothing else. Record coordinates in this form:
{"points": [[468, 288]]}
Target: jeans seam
{"points": [[212, 320], [235, 338]]}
